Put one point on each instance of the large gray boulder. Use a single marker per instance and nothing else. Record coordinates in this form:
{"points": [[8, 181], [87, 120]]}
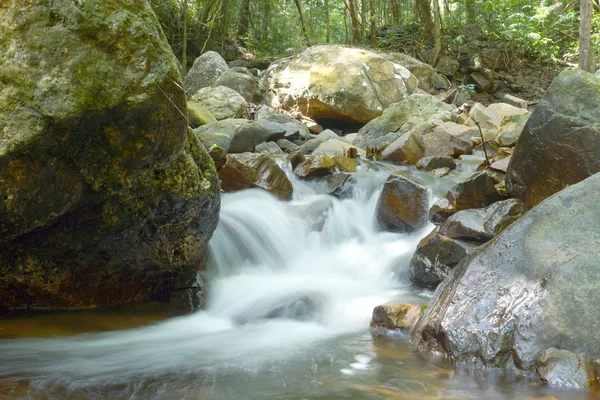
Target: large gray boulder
{"points": [[404, 116], [204, 72], [105, 197], [239, 135], [242, 81], [560, 144], [533, 287], [221, 101], [334, 82]]}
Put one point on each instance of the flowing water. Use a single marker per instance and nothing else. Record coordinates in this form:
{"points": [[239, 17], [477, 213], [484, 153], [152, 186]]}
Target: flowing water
{"points": [[291, 291]]}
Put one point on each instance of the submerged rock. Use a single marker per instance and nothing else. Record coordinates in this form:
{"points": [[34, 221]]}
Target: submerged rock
{"points": [[560, 144], [395, 316], [403, 204], [565, 369], [254, 170], [104, 196], [334, 82], [534, 286]]}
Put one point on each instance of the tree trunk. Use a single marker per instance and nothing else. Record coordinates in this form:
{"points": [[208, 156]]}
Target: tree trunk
{"points": [[470, 11], [184, 10], [354, 19], [363, 18], [302, 25], [327, 24], [437, 23], [266, 21], [395, 11], [244, 17], [586, 51], [373, 24], [423, 16]]}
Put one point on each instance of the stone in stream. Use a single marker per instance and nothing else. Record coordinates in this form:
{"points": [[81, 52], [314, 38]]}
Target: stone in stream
{"points": [[311, 145], [403, 204], [395, 316], [219, 133], [476, 192], [340, 184], [435, 256], [204, 72], [218, 155], [560, 144], [254, 170], [563, 368], [241, 81], [287, 146], [249, 135], [268, 148], [296, 158], [407, 149], [442, 143], [434, 162], [534, 286], [221, 101], [294, 128], [315, 167], [337, 83], [105, 197]]}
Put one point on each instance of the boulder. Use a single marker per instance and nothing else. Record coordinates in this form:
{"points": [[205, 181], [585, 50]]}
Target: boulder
{"points": [[315, 167], [105, 197], [407, 149], [268, 148], [334, 82], [221, 101], [560, 144], [218, 155], [294, 128], [487, 119], [422, 71], [395, 316], [255, 170], [247, 136], [287, 146], [403, 204], [204, 72], [199, 115], [440, 82], [510, 132], [434, 162], [336, 146], [442, 143], [506, 112], [534, 286], [565, 369], [404, 116], [219, 133], [481, 82], [435, 257], [447, 66], [311, 145], [340, 185], [240, 80], [345, 164], [476, 192], [513, 100], [296, 158]]}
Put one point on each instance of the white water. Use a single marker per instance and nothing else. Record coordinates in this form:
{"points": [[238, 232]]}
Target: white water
{"points": [[284, 279]]}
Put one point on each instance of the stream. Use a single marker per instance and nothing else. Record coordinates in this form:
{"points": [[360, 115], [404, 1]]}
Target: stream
{"points": [[291, 288]]}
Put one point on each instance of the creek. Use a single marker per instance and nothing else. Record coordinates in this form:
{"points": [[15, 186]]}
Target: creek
{"points": [[291, 288]]}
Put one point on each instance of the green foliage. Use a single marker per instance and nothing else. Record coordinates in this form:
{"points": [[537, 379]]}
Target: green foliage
{"points": [[467, 88]]}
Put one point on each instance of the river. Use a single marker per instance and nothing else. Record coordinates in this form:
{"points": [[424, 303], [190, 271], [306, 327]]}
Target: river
{"points": [[291, 291]]}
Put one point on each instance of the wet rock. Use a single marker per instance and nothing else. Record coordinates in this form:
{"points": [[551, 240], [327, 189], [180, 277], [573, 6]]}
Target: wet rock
{"points": [[334, 82], [204, 72], [340, 185], [564, 369], [218, 155], [242, 81], [476, 192], [104, 196], [403, 204], [296, 158], [249, 135], [536, 285], [315, 167], [287, 146], [199, 115], [254, 170], [439, 172], [336, 146], [435, 256], [405, 116], [345, 164], [268, 148], [395, 316], [560, 144], [434, 162], [447, 66], [466, 225], [221, 101]]}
